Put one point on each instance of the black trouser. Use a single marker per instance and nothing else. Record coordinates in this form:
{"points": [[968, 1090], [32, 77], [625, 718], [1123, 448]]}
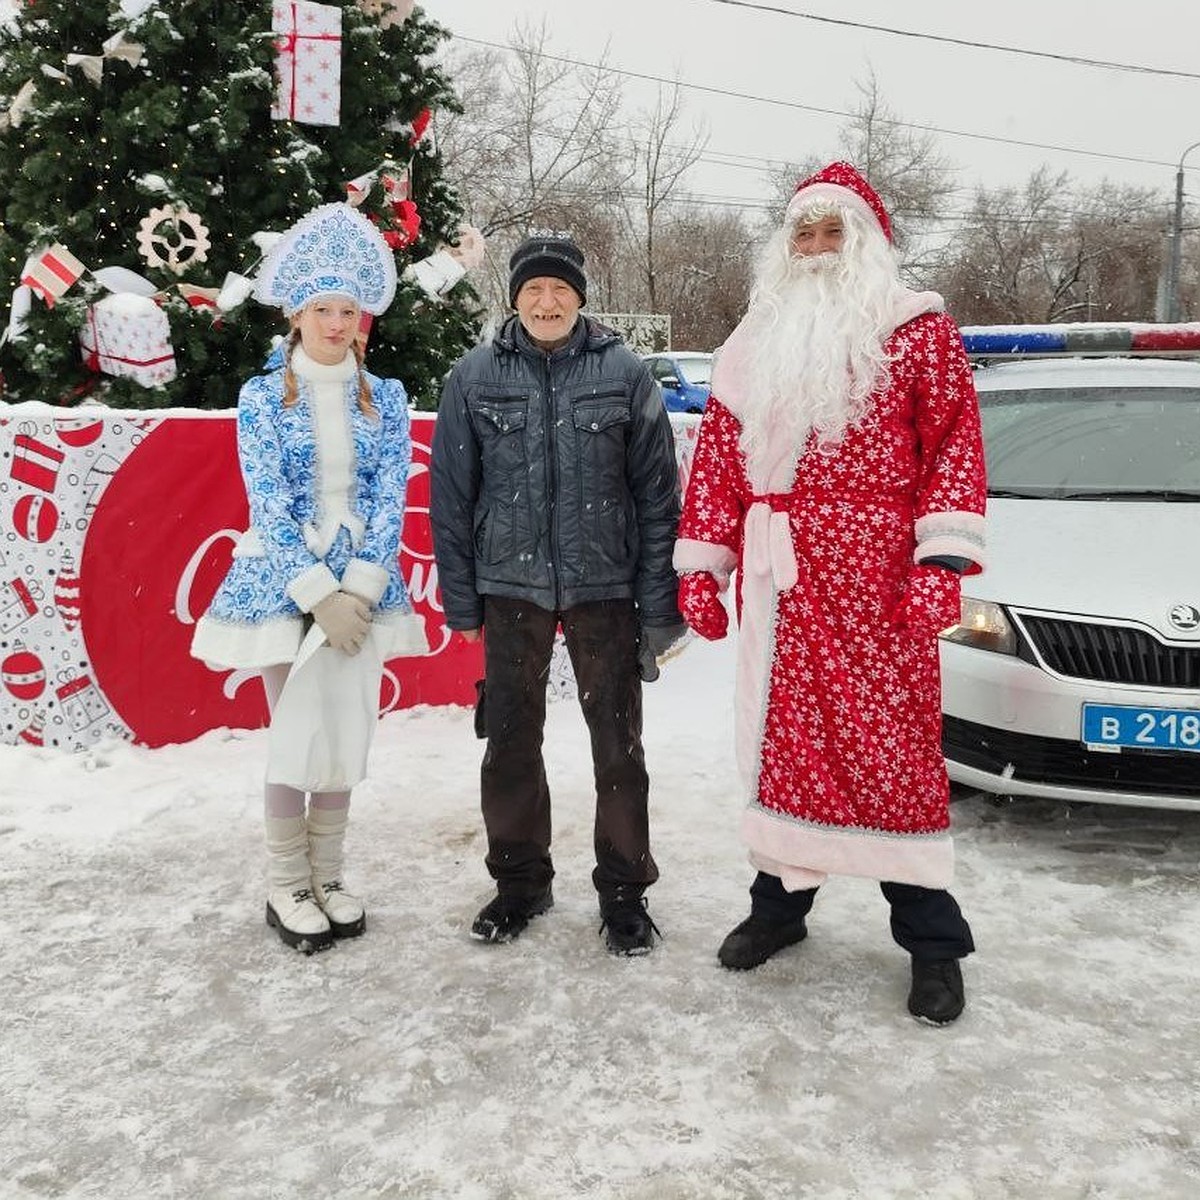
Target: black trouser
{"points": [[925, 921], [601, 639]]}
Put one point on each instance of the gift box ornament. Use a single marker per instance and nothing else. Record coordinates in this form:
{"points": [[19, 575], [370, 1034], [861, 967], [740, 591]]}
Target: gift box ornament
{"points": [[129, 337], [308, 63]]}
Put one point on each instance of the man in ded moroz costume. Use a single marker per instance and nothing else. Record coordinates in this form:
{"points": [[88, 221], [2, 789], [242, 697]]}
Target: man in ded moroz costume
{"points": [[840, 470], [314, 598]]}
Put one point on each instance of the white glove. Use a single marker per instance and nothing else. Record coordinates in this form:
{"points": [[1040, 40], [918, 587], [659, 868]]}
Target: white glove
{"points": [[345, 621]]}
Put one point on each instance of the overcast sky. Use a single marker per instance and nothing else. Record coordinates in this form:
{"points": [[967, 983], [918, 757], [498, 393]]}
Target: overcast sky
{"points": [[1144, 115], [1127, 126]]}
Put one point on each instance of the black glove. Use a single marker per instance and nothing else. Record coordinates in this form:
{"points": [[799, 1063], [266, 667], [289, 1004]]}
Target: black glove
{"points": [[653, 642]]}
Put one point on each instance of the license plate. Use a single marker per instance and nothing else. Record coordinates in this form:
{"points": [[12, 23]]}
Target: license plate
{"points": [[1123, 727]]}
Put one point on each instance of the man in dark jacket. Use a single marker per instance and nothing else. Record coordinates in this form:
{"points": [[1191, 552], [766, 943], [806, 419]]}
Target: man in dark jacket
{"points": [[555, 500]]}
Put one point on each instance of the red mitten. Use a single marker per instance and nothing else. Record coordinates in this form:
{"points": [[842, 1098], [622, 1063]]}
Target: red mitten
{"points": [[930, 601], [700, 603]]}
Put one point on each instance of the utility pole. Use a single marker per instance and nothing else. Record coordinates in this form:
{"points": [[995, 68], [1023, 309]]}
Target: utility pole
{"points": [[1176, 247]]}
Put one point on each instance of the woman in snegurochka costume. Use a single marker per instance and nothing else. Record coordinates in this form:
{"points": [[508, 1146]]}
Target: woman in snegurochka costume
{"points": [[314, 598]]}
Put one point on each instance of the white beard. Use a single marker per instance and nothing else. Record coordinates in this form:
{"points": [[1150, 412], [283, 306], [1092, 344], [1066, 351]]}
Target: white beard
{"points": [[816, 327]]}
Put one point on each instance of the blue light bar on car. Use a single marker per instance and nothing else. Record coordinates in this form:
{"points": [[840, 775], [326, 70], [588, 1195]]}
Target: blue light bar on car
{"points": [[1006, 340], [999, 341]]}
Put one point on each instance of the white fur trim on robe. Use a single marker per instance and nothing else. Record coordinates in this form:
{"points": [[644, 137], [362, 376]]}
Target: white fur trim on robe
{"points": [[778, 843], [223, 645]]}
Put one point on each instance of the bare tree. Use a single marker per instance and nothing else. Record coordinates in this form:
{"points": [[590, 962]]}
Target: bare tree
{"points": [[705, 265], [904, 165], [662, 166], [536, 144], [1051, 251]]}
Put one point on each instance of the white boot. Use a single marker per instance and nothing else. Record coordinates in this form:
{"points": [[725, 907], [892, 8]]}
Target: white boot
{"points": [[290, 906], [326, 833]]}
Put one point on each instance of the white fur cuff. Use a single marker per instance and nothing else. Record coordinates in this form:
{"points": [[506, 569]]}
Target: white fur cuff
{"points": [[692, 555], [955, 533], [310, 587], [364, 579]]}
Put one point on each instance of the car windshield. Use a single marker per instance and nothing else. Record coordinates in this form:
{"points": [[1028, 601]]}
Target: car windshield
{"points": [[1093, 443], [697, 369]]}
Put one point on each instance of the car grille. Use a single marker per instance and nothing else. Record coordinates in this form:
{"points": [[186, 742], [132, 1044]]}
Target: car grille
{"points": [[1111, 653], [1069, 764]]}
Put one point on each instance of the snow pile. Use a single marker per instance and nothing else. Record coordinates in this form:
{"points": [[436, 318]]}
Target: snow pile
{"points": [[160, 1042]]}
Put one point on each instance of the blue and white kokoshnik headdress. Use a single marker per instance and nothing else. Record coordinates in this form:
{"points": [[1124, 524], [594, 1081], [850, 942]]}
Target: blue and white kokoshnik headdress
{"points": [[333, 251]]}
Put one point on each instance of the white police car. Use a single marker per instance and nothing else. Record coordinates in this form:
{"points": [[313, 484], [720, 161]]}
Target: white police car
{"points": [[1075, 672]]}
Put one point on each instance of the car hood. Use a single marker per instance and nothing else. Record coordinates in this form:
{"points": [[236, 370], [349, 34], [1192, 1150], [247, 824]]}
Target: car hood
{"points": [[1128, 560]]}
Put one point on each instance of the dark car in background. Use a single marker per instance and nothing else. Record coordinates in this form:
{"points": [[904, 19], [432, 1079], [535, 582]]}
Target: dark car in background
{"points": [[684, 377]]}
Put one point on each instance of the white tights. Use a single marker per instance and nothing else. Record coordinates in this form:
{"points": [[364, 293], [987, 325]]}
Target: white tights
{"points": [[281, 800]]}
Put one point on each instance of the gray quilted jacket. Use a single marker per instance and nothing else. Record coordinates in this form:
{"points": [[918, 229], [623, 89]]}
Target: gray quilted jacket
{"points": [[554, 478]]}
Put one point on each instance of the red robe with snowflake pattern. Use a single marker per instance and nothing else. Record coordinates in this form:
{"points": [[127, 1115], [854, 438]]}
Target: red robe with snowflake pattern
{"points": [[838, 713]]}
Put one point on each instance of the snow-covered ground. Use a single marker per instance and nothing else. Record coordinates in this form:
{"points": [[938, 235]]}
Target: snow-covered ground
{"points": [[158, 1040]]}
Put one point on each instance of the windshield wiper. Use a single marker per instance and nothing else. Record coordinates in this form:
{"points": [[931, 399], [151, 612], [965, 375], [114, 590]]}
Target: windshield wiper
{"points": [[1014, 494], [1168, 494]]}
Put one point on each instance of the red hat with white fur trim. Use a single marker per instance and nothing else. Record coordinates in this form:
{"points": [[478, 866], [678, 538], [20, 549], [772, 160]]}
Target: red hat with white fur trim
{"points": [[841, 183]]}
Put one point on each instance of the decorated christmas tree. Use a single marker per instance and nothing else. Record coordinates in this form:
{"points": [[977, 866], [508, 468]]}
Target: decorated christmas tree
{"points": [[149, 149]]}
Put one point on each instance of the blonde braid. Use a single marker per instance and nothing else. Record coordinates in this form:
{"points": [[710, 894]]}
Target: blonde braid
{"points": [[291, 390], [365, 400]]}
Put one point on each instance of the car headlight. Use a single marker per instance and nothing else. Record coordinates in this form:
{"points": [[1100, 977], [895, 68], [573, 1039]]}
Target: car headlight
{"points": [[985, 626]]}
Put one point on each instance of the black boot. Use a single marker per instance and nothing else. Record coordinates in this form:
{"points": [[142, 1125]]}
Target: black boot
{"points": [[626, 925], [505, 917], [937, 996], [756, 939]]}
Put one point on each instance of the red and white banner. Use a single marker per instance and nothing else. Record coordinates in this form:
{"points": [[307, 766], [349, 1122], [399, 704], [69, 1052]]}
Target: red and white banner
{"points": [[115, 529]]}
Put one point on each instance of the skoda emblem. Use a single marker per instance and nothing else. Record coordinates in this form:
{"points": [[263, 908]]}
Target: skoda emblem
{"points": [[1185, 617]]}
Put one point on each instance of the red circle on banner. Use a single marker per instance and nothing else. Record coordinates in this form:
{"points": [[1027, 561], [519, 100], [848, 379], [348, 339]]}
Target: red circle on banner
{"points": [[152, 559], [158, 545], [35, 518]]}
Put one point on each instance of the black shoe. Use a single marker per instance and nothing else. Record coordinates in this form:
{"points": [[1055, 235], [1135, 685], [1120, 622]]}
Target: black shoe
{"points": [[505, 917], [937, 990], [756, 939], [627, 926]]}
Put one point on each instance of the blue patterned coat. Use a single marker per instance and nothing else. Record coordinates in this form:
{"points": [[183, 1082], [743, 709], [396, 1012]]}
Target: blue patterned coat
{"points": [[296, 552]]}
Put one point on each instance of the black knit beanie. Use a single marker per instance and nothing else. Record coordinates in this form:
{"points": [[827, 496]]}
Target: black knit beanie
{"points": [[554, 255]]}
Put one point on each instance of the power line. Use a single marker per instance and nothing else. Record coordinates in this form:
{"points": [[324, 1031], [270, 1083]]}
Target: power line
{"points": [[1049, 216], [829, 112], [952, 41]]}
